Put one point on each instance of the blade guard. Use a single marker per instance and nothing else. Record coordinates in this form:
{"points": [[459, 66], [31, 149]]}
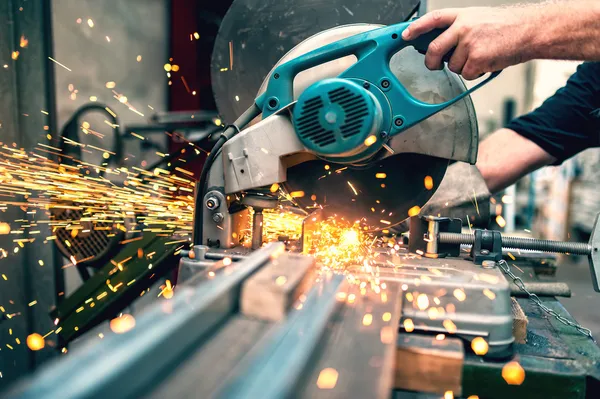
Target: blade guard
{"points": [[373, 51]]}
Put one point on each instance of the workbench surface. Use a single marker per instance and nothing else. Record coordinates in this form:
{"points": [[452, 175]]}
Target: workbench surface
{"points": [[558, 361]]}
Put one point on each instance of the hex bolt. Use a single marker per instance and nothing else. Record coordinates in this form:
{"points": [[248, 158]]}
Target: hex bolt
{"points": [[217, 217], [212, 203]]}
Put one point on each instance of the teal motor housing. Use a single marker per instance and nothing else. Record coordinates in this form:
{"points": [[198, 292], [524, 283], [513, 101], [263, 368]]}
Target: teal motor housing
{"points": [[335, 118]]}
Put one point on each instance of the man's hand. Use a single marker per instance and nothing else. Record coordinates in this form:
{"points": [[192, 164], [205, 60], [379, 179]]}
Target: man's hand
{"points": [[484, 39], [488, 39]]}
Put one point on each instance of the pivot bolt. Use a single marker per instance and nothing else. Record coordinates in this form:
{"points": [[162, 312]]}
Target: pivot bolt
{"points": [[398, 122], [212, 203], [218, 217], [385, 83], [273, 103]]}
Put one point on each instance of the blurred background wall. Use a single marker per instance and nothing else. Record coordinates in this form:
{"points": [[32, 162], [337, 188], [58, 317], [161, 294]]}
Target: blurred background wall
{"points": [[113, 48]]}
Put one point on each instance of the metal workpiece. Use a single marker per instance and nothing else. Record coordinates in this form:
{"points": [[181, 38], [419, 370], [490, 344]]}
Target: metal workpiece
{"points": [[193, 268], [475, 300], [287, 349], [325, 347], [126, 365], [332, 326]]}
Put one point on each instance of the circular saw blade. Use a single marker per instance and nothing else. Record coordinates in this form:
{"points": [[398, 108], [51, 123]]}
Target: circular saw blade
{"points": [[255, 34], [380, 195]]}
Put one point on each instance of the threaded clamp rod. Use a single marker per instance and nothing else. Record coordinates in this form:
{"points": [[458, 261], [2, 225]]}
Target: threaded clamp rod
{"points": [[563, 247]]}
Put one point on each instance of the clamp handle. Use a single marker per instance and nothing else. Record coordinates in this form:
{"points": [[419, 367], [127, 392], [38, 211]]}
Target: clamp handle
{"points": [[373, 51]]}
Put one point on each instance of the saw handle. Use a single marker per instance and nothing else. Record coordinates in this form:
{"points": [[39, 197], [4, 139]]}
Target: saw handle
{"points": [[373, 50], [421, 43]]}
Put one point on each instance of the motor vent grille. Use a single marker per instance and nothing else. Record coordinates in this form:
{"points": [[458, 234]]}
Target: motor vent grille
{"points": [[355, 109], [309, 126], [334, 117]]}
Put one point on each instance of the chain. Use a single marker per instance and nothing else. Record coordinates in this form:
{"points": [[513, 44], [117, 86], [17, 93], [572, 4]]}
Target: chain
{"points": [[535, 299]]}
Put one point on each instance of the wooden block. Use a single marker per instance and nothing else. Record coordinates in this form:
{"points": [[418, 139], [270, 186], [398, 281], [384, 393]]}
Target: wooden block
{"points": [[519, 322], [424, 364], [272, 290]]}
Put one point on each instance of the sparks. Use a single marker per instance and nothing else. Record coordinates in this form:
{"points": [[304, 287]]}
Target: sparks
{"points": [[353, 189], [58, 63]]}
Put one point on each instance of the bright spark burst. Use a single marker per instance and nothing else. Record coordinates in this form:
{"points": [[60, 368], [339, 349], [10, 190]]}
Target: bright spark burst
{"points": [[338, 244]]}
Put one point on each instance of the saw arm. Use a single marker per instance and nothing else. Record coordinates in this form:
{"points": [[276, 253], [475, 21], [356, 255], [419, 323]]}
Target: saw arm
{"points": [[373, 51]]}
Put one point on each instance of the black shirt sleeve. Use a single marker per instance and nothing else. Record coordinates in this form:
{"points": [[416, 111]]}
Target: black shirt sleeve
{"points": [[569, 121]]}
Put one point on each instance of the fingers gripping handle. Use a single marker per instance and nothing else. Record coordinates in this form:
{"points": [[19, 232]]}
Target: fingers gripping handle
{"points": [[421, 43]]}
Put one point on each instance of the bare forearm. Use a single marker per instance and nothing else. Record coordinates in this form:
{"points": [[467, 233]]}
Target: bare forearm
{"points": [[565, 30], [487, 39], [506, 156]]}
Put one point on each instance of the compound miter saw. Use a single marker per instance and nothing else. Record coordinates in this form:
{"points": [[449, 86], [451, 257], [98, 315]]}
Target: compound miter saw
{"points": [[344, 106]]}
